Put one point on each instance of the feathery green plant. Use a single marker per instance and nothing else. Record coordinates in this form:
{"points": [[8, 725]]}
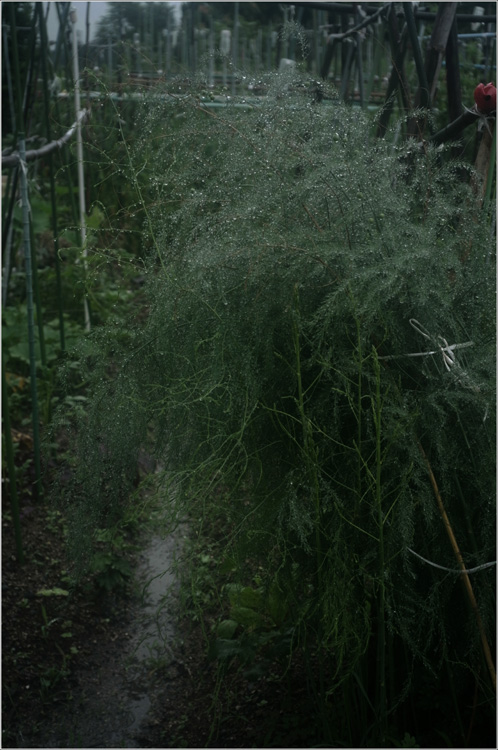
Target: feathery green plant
{"points": [[320, 303]]}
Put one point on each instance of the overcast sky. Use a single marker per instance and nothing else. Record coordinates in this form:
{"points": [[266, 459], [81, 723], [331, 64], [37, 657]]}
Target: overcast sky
{"points": [[97, 10]]}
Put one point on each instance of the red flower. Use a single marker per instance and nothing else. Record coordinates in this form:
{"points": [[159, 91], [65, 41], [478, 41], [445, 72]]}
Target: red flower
{"points": [[485, 98]]}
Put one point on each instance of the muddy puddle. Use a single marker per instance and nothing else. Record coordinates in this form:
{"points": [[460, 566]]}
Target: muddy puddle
{"points": [[113, 699]]}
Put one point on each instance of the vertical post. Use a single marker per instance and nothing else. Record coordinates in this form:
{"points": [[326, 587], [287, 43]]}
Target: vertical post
{"points": [[211, 52], [8, 77], [225, 51], [27, 254], [79, 152], [235, 48], [268, 48], [109, 59], [168, 51], [30, 309], [453, 85], [359, 58]]}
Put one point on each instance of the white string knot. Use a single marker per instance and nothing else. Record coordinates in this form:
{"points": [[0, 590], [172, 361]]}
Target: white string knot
{"points": [[446, 350]]}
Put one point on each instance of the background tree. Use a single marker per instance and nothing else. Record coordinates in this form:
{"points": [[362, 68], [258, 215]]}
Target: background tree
{"points": [[123, 20]]}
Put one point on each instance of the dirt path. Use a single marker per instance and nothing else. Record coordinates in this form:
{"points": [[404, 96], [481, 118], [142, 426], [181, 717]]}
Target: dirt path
{"points": [[113, 697]]}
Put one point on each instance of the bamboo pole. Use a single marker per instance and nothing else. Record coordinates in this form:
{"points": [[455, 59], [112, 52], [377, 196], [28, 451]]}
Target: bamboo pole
{"points": [[453, 83], [465, 578], [434, 58], [397, 79], [424, 98], [453, 128]]}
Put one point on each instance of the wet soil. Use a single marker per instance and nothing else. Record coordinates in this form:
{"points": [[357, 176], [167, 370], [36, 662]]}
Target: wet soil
{"points": [[87, 668], [116, 688], [78, 665]]}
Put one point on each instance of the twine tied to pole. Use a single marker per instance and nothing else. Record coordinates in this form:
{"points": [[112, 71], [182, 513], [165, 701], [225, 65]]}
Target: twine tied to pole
{"points": [[452, 570], [447, 350]]}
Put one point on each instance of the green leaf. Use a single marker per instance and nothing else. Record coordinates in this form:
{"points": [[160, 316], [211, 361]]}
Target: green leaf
{"points": [[227, 565], [223, 649], [227, 628], [247, 617], [41, 212], [277, 605], [95, 219], [409, 741], [245, 597]]}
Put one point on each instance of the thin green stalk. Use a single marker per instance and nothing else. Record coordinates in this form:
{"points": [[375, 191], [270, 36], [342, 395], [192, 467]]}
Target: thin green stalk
{"points": [[46, 96], [381, 634], [9, 450], [30, 311], [36, 295], [359, 420], [311, 458], [8, 230], [454, 699], [308, 444], [140, 195], [27, 253]]}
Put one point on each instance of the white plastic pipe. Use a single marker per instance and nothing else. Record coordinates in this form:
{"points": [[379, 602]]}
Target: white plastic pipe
{"points": [[79, 153]]}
